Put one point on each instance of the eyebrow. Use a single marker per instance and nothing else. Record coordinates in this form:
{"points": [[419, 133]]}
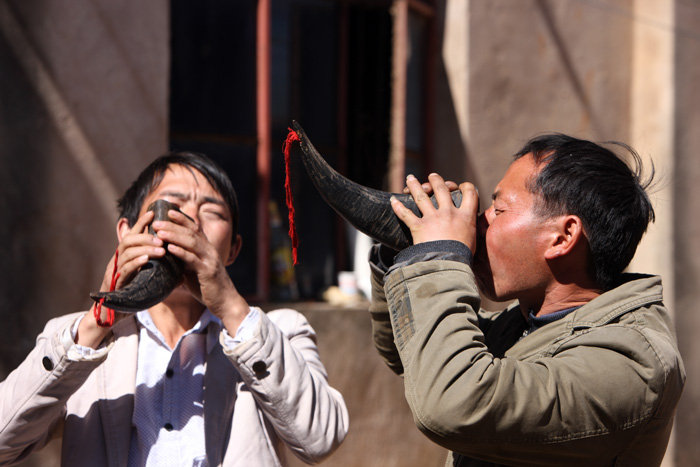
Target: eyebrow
{"points": [[183, 197], [209, 199]]}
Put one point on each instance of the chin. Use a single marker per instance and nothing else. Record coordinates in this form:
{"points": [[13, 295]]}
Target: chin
{"points": [[487, 289], [484, 278], [180, 294]]}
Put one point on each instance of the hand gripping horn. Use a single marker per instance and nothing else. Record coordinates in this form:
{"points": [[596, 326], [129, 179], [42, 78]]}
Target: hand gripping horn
{"points": [[154, 281], [367, 209]]}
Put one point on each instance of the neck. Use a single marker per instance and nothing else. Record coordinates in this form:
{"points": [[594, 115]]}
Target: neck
{"points": [[174, 318], [558, 297]]}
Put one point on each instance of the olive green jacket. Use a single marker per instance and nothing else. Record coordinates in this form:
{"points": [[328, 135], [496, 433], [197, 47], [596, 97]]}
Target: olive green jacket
{"points": [[597, 387]]}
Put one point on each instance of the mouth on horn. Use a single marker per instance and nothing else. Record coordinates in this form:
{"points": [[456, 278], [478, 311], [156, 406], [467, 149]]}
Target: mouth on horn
{"points": [[153, 282], [367, 209]]}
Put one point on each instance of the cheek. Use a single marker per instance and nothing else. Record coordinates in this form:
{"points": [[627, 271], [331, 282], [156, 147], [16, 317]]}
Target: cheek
{"points": [[507, 244], [218, 234], [496, 242]]}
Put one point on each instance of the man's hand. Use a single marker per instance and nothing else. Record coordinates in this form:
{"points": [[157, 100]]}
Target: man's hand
{"points": [[136, 247], [205, 272], [446, 222]]}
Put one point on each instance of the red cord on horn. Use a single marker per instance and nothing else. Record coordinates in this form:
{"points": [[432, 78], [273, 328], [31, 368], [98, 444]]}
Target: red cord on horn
{"points": [[291, 137], [98, 306]]}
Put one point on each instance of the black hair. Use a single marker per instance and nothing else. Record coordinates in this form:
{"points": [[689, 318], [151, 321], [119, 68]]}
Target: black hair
{"points": [[130, 203], [587, 180]]}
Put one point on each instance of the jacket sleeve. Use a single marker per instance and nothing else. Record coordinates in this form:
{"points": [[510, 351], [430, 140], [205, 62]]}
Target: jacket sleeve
{"points": [[33, 396], [383, 259], [382, 334], [591, 394], [281, 366]]}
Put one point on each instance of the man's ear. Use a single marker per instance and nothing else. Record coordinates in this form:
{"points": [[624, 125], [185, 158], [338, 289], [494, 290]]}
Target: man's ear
{"points": [[123, 228], [568, 232], [235, 249]]}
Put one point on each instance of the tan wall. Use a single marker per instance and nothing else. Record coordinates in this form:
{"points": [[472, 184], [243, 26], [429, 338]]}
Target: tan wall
{"points": [[611, 69], [83, 107], [83, 93], [686, 222]]}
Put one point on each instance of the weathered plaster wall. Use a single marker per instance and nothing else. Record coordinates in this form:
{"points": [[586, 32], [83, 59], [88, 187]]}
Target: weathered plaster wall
{"points": [[686, 223], [83, 106], [602, 70]]}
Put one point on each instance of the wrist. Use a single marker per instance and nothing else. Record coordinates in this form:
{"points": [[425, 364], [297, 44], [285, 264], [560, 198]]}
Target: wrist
{"points": [[232, 313], [90, 333]]}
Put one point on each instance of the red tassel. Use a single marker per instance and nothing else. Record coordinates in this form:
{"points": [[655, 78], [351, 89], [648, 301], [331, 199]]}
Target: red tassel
{"points": [[98, 306], [291, 137]]}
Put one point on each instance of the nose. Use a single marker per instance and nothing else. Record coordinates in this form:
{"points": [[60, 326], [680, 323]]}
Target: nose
{"points": [[191, 212]]}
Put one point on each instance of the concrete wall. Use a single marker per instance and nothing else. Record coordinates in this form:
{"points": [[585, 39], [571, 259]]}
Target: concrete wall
{"points": [[83, 106], [686, 222], [612, 69], [525, 68]]}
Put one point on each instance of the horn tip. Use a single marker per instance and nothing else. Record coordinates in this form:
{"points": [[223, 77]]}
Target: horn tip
{"points": [[97, 295], [297, 127]]}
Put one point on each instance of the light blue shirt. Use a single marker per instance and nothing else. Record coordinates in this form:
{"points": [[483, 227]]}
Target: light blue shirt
{"points": [[168, 418]]}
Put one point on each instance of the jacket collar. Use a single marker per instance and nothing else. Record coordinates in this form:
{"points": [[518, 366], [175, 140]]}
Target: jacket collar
{"points": [[633, 291]]}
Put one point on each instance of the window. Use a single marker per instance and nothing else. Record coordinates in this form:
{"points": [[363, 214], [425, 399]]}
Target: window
{"points": [[330, 68]]}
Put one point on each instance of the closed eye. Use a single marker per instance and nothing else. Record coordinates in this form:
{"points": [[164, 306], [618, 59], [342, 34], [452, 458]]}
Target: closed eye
{"points": [[215, 213]]}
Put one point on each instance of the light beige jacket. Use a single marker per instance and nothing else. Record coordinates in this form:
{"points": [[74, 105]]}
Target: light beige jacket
{"points": [[597, 387], [269, 390]]}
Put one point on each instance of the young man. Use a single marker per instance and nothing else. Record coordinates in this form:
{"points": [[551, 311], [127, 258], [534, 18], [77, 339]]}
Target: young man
{"points": [[583, 369], [201, 378]]}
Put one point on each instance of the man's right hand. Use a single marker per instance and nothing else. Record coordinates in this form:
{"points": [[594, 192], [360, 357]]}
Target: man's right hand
{"points": [[446, 222], [136, 247]]}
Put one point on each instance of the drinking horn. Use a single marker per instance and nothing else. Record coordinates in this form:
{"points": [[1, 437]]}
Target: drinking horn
{"points": [[367, 209], [154, 281]]}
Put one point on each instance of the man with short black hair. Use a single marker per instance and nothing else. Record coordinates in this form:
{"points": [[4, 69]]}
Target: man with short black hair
{"points": [[199, 379], [583, 368]]}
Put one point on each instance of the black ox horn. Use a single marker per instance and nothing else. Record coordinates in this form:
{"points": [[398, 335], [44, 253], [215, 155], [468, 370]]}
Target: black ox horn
{"points": [[154, 281], [367, 209]]}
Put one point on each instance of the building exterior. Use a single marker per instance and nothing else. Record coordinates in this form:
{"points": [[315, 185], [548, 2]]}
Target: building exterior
{"points": [[92, 90]]}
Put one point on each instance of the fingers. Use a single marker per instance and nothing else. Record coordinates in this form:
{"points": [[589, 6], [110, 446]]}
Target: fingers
{"points": [[452, 186], [402, 212], [443, 221], [442, 192], [438, 187], [470, 198], [420, 197], [179, 231], [186, 240], [133, 253], [142, 222], [179, 218], [134, 250]]}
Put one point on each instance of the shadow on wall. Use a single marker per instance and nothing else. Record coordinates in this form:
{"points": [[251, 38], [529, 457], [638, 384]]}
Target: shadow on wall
{"points": [[22, 182], [451, 153], [55, 236]]}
